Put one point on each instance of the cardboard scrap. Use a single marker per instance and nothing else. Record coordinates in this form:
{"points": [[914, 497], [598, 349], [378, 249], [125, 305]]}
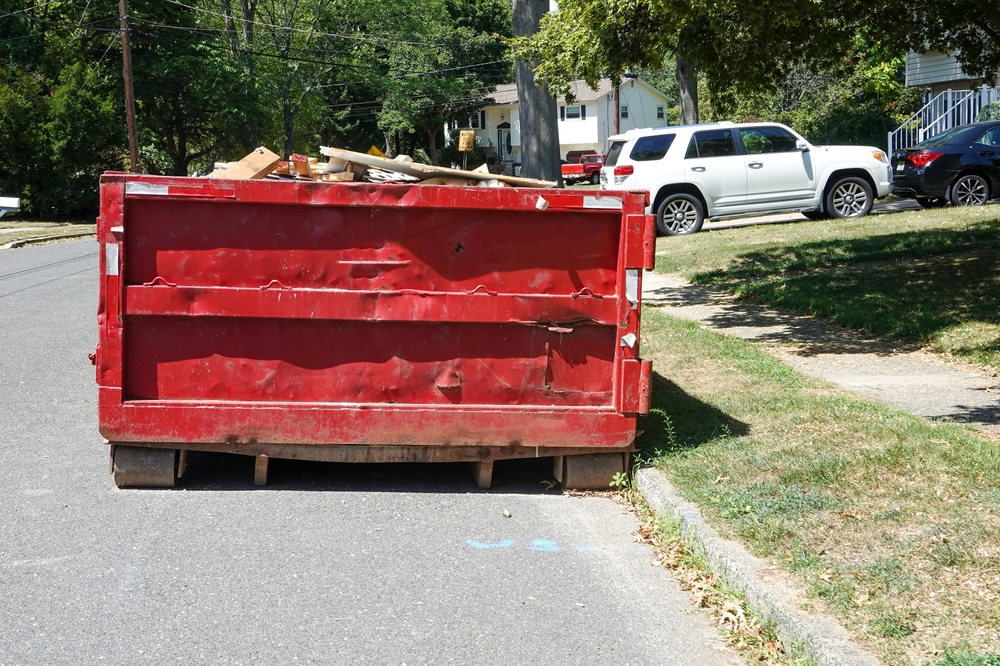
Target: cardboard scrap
{"points": [[256, 165]]}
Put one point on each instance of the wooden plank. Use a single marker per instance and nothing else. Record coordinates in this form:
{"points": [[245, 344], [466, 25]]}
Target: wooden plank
{"points": [[341, 177], [424, 171], [256, 165]]}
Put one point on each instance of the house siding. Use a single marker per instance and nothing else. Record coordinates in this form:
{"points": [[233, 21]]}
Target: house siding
{"points": [[642, 101], [590, 133], [932, 68]]}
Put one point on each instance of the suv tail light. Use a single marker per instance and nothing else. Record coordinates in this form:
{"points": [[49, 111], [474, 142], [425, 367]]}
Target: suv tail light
{"points": [[922, 159], [624, 170]]}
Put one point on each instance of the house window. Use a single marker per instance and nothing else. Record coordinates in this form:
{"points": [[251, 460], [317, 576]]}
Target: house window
{"points": [[624, 111], [478, 120], [572, 113], [659, 113]]}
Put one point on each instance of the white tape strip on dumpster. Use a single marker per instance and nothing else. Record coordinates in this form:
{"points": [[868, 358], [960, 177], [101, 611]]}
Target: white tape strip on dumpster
{"points": [[632, 285], [111, 258], [146, 188], [608, 203]]}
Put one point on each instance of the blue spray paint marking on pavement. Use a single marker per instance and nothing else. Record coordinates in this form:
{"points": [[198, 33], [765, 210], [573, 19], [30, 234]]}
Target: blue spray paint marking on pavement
{"points": [[544, 546], [129, 582], [506, 543]]}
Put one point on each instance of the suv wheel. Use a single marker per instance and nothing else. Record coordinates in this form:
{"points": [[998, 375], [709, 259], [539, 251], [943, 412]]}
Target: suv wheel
{"points": [[680, 214], [970, 190], [849, 197]]}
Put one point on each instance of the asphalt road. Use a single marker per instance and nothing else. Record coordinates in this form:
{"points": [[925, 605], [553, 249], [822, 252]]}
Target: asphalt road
{"points": [[329, 564]]}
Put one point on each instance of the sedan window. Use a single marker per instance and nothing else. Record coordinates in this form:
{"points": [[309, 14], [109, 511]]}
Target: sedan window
{"points": [[713, 143], [990, 138], [650, 148], [758, 140], [943, 138]]}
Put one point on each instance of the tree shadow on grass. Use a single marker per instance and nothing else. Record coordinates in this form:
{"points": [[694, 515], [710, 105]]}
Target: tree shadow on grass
{"points": [[909, 286], [678, 421]]}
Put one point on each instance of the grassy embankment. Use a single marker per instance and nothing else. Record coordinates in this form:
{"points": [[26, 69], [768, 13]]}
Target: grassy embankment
{"points": [[890, 521], [928, 277], [15, 230]]}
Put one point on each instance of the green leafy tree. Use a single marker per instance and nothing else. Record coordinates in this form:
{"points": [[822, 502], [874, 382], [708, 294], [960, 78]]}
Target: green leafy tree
{"points": [[192, 100], [58, 105], [750, 48]]}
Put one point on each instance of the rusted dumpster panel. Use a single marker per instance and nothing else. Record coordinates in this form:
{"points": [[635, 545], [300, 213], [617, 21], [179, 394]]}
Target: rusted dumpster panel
{"points": [[253, 313]]}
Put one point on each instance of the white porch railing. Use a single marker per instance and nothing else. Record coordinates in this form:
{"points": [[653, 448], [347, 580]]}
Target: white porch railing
{"points": [[950, 108]]}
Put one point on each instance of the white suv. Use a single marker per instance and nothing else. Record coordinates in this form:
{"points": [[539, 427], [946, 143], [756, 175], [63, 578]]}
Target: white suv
{"points": [[718, 169]]}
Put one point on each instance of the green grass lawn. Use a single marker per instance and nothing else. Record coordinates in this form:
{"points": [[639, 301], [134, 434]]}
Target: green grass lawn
{"points": [[890, 521], [930, 277]]}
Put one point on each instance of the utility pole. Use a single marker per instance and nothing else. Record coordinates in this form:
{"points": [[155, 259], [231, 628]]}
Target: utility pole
{"points": [[618, 108], [133, 139]]}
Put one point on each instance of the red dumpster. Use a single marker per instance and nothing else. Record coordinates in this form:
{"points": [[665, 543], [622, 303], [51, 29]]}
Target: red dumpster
{"points": [[361, 322]]}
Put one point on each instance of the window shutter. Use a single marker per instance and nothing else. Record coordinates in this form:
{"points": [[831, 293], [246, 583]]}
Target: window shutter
{"points": [[482, 119], [562, 113], [583, 112]]}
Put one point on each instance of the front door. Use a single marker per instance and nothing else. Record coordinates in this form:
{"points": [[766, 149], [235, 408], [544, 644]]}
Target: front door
{"points": [[506, 147], [776, 170]]}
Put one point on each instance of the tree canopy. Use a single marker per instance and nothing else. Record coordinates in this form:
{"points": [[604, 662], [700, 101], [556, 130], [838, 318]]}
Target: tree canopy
{"points": [[215, 78], [750, 48]]}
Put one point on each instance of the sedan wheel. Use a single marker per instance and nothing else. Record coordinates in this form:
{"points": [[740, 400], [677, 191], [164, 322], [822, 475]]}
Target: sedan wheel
{"points": [[680, 214], [849, 197], [970, 190]]}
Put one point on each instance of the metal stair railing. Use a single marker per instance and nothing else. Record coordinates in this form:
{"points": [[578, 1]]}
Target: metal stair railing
{"points": [[948, 109]]}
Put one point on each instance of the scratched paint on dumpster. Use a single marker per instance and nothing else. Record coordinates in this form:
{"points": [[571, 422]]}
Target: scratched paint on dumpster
{"points": [[363, 362], [279, 312], [363, 248]]}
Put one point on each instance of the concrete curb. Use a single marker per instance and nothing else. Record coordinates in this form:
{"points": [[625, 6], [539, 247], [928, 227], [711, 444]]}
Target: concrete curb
{"points": [[42, 239], [820, 638]]}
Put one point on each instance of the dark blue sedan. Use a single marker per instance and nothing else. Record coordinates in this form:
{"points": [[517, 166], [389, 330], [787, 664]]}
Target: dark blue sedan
{"points": [[960, 166]]}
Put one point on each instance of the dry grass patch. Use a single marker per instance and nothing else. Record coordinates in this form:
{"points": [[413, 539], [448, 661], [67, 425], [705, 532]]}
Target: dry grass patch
{"points": [[891, 521], [16, 230]]}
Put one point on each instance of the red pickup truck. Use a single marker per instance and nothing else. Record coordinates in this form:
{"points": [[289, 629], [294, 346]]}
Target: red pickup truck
{"points": [[588, 168]]}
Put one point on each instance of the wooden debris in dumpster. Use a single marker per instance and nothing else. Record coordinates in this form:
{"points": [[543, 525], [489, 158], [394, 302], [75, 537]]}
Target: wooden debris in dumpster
{"points": [[350, 166], [256, 165], [425, 171]]}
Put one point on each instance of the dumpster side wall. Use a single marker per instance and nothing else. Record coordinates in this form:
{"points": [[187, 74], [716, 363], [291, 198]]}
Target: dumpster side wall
{"points": [[299, 313]]}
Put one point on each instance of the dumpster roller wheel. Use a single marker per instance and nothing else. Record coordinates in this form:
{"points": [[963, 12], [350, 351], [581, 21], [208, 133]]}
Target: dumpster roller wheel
{"points": [[144, 467], [591, 471]]}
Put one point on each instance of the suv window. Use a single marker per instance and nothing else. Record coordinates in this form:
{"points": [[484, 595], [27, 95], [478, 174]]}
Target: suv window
{"points": [[759, 140], [613, 153], [712, 143], [650, 148]]}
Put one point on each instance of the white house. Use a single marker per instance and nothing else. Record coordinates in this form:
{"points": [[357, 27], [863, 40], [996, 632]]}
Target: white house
{"points": [[951, 97], [584, 125]]}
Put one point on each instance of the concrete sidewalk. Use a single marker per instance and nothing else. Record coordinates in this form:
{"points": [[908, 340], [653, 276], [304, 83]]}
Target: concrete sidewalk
{"points": [[905, 377]]}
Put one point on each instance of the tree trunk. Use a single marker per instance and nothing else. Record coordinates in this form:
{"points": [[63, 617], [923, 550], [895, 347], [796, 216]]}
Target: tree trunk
{"points": [[389, 152], [288, 119], [539, 122], [432, 146], [687, 83]]}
